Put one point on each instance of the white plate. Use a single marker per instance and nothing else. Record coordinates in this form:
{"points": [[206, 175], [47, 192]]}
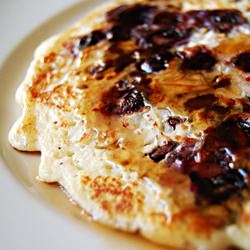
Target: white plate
{"points": [[41, 218]]}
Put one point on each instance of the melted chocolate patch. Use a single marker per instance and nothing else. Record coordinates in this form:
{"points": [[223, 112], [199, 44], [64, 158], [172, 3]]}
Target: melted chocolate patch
{"points": [[215, 168], [154, 33], [92, 39], [127, 17], [200, 102], [221, 20], [172, 36], [152, 26], [154, 60], [198, 58], [155, 63], [220, 187], [130, 14], [242, 61]]}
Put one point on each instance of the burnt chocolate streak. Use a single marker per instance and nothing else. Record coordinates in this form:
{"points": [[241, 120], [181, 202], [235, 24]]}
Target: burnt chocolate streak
{"points": [[216, 168]]}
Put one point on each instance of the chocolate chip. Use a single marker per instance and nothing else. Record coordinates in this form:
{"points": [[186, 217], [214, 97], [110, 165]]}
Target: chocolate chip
{"points": [[160, 152], [122, 99], [221, 82], [118, 33], [129, 103], [221, 20], [198, 58], [220, 187], [173, 121], [91, 39], [169, 37], [155, 62], [225, 20], [130, 14]]}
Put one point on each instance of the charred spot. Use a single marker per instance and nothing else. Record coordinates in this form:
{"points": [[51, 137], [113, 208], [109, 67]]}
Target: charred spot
{"points": [[221, 82], [200, 102], [242, 61], [198, 58], [123, 99], [92, 39], [160, 152]]}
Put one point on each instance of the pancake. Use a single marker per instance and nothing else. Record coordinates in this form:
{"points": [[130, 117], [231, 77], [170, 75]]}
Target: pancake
{"points": [[141, 113]]}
